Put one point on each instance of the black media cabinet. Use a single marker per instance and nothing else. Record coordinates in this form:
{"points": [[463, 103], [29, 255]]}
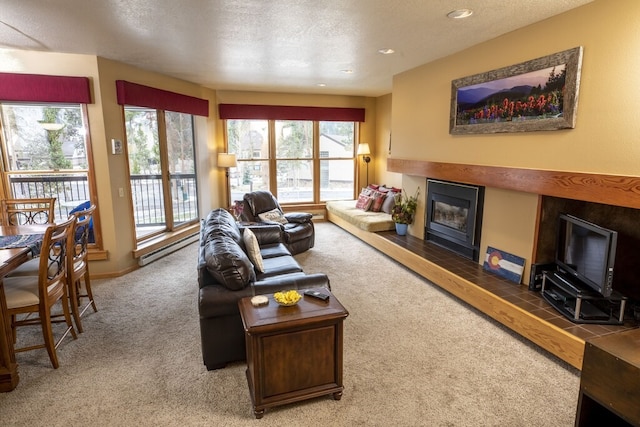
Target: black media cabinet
{"points": [[580, 305]]}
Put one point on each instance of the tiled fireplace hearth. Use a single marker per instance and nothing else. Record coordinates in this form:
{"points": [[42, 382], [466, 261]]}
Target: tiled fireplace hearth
{"points": [[608, 200]]}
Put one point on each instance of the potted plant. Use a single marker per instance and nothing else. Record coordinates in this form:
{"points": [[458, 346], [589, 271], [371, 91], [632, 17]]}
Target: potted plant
{"points": [[404, 210]]}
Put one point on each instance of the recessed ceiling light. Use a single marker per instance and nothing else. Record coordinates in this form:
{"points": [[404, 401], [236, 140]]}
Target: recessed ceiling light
{"points": [[347, 71], [460, 13], [386, 51]]}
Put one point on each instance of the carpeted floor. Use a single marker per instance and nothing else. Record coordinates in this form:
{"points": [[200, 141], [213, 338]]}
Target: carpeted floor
{"points": [[414, 356]]}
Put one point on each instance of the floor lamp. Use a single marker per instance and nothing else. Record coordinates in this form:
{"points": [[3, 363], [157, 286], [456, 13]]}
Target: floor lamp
{"points": [[227, 160], [364, 151]]}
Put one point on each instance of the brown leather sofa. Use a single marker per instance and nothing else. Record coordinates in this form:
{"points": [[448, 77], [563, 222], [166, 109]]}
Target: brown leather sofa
{"points": [[226, 274], [297, 227]]}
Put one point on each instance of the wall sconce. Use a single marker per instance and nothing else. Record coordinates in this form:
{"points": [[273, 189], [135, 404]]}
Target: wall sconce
{"points": [[364, 151], [227, 160]]}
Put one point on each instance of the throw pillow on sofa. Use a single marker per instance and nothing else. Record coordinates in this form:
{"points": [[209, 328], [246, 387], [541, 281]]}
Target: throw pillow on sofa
{"points": [[273, 215], [253, 250]]}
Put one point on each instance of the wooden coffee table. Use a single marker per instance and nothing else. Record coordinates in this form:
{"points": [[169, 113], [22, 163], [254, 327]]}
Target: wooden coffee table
{"points": [[293, 353]]}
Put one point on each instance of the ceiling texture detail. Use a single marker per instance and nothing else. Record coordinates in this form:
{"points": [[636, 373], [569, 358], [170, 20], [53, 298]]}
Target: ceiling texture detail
{"points": [[300, 46]]}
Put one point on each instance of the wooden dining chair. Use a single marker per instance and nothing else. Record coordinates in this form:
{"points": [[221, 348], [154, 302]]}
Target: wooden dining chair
{"points": [[26, 295], [28, 211], [78, 265]]}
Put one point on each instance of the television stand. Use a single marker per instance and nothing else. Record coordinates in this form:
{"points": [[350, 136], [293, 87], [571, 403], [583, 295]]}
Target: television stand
{"points": [[580, 305]]}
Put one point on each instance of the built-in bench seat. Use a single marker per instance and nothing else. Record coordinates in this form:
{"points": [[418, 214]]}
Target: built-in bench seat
{"points": [[364, 220]]}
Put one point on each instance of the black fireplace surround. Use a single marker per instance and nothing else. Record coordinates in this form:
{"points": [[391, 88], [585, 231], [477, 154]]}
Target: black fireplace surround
{"points": [[454, 216]]}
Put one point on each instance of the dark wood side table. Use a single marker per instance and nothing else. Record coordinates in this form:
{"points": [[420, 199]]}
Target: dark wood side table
{"points": [[293, 353], [610, 381]]}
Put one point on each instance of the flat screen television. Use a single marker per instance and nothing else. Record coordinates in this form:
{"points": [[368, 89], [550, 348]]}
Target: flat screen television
{"points": [[587, 252]]}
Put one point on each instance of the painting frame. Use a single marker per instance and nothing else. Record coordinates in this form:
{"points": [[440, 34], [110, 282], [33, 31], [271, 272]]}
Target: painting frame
{"points": [[571, 59]]}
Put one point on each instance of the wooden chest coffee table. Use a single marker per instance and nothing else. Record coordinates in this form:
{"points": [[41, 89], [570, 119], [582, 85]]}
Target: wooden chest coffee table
{"points": [[293, 353]]}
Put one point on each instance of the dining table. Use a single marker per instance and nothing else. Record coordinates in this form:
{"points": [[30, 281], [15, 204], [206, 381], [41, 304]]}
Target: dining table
{"points": [[18, 244]]}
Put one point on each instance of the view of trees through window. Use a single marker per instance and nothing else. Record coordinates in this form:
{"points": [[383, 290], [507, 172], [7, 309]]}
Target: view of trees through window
{"points": [[160, 142], [313, 161], [45, 152]]}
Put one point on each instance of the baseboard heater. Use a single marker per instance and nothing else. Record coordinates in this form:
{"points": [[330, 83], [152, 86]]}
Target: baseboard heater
{"points": [[166, 250]]}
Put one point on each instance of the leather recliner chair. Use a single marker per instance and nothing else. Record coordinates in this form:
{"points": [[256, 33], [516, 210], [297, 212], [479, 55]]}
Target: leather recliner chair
{"points": [[297, 227]]}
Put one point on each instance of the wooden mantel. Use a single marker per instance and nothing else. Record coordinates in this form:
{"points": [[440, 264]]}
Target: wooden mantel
{"points": [[617, 190]]}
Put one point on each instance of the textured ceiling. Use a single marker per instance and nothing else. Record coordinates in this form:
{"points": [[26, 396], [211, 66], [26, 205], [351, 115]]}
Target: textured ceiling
{"points": [[268, 45]]}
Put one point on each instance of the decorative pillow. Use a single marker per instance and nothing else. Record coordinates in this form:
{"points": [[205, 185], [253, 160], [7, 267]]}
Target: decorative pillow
{"points": [[366, 191], [378, 200], [253, 250], [364, 202], [389, 202], [273, 215]]}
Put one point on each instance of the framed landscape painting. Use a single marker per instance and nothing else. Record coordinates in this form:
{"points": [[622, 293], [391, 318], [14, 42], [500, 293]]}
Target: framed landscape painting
{"points": [[540, 94]]}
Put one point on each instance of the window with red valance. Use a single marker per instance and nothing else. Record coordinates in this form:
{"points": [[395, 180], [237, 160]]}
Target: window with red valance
{"points": [[138, 95], [285, 112], [44, 88]]}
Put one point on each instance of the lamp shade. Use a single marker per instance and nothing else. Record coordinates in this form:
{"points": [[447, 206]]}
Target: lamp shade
{"points": [[227, 160], [363, 148]]}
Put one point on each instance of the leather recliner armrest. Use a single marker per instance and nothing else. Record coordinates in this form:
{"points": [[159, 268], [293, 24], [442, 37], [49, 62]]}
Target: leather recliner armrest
{"points": [[298, 217]]}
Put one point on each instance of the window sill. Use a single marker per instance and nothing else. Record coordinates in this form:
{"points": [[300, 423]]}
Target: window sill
{"points": [[165, 240]]}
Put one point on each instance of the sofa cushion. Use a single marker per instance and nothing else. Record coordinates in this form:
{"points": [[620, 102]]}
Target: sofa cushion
{"points": [[219, 222], [227, 263], [274, 250], [277, 266], [260, 201], [253, 250]]}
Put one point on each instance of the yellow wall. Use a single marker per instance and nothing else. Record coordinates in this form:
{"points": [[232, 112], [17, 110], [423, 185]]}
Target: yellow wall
{"points": [[113, 174], [106, 122], [603, 141], [382, 144]]}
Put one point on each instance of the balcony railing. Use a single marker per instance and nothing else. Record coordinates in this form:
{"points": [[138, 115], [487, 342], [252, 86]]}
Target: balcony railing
{"points": [[148, 202], [71, 190]]}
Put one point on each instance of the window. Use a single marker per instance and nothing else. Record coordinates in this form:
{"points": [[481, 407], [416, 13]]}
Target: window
{"points": [[162, 174], [249, 140], [46, 153], [314, 161]]}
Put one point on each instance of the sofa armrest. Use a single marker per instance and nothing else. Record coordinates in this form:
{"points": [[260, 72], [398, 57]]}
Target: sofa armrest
{"points": [[291, 281], [298, 217]]}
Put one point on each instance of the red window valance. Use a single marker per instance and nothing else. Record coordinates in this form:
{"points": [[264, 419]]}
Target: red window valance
{"points": [[144, 96], [44, 88], [283, 112]]}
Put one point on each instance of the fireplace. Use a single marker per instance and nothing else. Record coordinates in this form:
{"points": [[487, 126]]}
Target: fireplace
{"points": [[454, 216]]}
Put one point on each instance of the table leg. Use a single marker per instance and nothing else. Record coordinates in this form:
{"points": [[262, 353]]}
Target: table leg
{"points": [[8, 366]]}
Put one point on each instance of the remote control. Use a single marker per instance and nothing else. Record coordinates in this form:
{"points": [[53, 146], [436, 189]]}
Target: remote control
{"points": [[316, 294]]}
